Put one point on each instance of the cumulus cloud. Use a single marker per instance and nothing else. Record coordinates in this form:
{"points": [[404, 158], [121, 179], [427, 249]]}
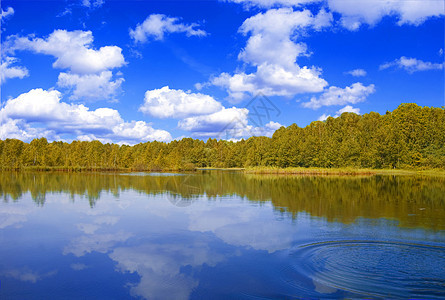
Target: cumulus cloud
{"points": [[202, 115], [266, 130], [357, 73], [171, 103], [90, 75], [412, 65], [354, 13], [212, 124], [272, 3], [93, 3], [19, 129], [228, 123], [323, 117], [138, 131], [6, 13], [272, 49], [271, 80], [40, 106], [355, 93], [7, 70], [157, 25], [347, 108], [73, 50], [91, 86]]}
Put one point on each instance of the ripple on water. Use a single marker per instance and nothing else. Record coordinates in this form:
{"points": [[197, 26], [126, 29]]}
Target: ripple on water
{"points": [[368, 268]]}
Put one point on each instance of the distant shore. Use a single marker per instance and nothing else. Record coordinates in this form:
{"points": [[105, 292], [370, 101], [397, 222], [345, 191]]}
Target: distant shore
{"points": [[342, 171], [250, 170]]}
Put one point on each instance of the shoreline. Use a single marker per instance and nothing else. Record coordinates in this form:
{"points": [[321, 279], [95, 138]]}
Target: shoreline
{"points": [[250, 170], [342, 171]]}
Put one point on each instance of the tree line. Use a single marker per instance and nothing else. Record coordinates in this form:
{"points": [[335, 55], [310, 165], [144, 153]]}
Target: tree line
{"points": [[410, 136]]}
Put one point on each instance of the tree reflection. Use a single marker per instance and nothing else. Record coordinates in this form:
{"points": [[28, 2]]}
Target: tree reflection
{"points": [[413, 200]]}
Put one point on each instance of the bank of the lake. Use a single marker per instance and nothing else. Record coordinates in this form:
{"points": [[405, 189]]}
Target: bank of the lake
{"points": [[248, 170], [342, 171]]}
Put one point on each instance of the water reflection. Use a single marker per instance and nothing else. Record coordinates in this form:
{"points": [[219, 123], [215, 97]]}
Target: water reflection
{"points": [[220, 235], [412, 200]]}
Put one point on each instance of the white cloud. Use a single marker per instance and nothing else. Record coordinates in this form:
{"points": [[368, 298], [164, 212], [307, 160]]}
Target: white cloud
{"points": [[139, 131], [171, 103], [157, 25], [202, 115], [272, 49], [228, 124], [267, 130], [89, 75], [347, 108], [354, 13], [213, 124], [73, 50], [355, 93], [357, 73], [91, 86], [412, 65], [8, 71], [93, 4], [19, 129], [6, 13], [270, 40], [323, 117], [41, 106], [272, 3], [272, 80]]}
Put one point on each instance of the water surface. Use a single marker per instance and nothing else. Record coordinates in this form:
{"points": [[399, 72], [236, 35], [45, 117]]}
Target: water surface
{"points": [[220, 235]]}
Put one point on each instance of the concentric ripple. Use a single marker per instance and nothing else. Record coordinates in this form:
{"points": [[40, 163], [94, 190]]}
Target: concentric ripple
{"points": [[369, 269]]}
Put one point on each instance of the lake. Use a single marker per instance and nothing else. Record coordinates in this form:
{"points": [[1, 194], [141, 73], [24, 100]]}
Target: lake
{"points": [[220, 235]]}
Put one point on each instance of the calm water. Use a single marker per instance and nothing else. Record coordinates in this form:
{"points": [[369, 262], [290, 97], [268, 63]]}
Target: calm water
{"points": [[220, 235]]}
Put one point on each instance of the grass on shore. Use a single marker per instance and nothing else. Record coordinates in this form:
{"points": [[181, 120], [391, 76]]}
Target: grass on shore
{"points": [[249, 170], [341, 171], [220, 169]]}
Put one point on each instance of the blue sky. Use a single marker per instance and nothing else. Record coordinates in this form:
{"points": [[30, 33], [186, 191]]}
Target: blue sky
{"points": [[137, 71]]}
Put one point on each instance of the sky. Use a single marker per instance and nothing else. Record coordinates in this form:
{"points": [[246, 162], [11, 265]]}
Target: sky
{"points": [[135, 71]]}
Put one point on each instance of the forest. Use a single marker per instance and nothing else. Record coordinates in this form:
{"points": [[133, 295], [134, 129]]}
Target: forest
{"points": [[411, 136]]}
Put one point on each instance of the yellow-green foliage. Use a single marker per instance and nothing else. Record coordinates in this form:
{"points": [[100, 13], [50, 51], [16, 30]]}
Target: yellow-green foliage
{"points": [[409, 137]]}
